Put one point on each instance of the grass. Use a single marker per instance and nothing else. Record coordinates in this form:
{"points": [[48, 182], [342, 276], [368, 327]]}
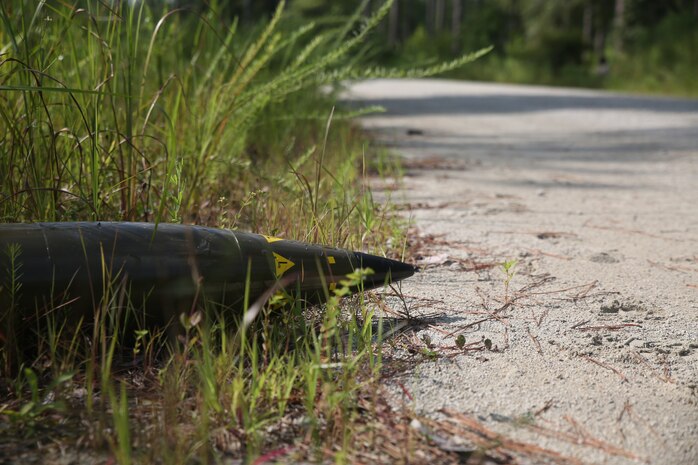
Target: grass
{"points": [[121, 111]]}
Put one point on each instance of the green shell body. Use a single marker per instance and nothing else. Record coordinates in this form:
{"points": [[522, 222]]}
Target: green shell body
{"points": [[165, 268]]}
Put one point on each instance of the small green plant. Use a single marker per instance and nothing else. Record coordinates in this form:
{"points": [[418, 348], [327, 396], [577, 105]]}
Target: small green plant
{"points": [[428, 353], [509, 269], [175, 191], [148, 347], [427, 340], [9, 293], [31, 411], [121, 445], [526, 419]]}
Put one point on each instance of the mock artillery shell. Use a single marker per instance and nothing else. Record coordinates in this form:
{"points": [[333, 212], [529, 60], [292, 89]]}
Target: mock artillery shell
{"points": [[166, 267]]}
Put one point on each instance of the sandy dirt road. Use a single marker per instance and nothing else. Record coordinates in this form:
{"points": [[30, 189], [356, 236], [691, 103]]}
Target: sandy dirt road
{"points": [[594, 345]]}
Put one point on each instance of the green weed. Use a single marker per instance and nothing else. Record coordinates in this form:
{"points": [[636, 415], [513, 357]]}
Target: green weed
{"points": [[509, 269], [31, 411]]}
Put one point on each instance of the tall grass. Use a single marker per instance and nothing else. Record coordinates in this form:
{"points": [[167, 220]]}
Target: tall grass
{"points": [[118, 111], [133, 111]]}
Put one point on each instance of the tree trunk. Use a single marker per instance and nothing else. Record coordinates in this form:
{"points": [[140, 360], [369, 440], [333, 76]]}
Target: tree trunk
{"points": [[429, 16], [587, 23], [512, 19], [456, 18], [599, 42], [439, 15], [393, 24], [403, 27], [246, 11], [619, 25]]}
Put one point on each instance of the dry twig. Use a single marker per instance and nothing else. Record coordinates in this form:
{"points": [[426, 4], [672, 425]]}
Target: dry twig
{"points": [[535, 340], [496, 444], [607, 327], [664, 378], [683, 269], [628, 409], [608, 367]]}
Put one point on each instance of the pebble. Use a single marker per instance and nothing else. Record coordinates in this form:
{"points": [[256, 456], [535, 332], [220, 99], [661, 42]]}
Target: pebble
{"points": [[603, 257], [613, 308]]}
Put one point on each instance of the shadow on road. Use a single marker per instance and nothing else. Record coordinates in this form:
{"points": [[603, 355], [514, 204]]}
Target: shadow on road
{"points": [[522, 103], [610, 146]]}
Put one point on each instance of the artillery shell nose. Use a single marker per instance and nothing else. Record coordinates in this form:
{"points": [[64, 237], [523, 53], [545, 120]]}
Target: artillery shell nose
{"points": [[385, 269]]}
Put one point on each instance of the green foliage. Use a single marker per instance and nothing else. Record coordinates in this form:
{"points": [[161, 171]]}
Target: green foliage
{"points": [[509, 269], [648, 46], [9, 318], [145, 111], [661, 59], [102, 121], [122, 443], [31, 411]]}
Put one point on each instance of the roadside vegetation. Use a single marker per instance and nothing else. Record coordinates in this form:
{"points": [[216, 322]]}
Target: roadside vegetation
{"points": [[644, 46], [140, 111]]}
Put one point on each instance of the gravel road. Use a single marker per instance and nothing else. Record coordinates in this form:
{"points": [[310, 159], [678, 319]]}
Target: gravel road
{"points": [[593, 345]]}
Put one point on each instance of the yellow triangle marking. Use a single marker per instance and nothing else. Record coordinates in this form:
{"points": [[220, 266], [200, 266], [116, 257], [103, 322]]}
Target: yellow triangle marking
{"points": [[271, 239], [282, 264]]}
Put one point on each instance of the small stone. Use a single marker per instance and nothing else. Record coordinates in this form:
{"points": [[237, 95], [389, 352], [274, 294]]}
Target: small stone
{"points": [[500, 418], [603, 257], [613, 308], [684, 352]]}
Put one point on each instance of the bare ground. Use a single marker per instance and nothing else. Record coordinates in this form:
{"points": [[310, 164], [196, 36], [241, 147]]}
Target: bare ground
{"points": [[590, 353]]}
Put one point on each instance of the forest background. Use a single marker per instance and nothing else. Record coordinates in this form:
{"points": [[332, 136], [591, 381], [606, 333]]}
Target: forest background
{"points": [[628, 45]]}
